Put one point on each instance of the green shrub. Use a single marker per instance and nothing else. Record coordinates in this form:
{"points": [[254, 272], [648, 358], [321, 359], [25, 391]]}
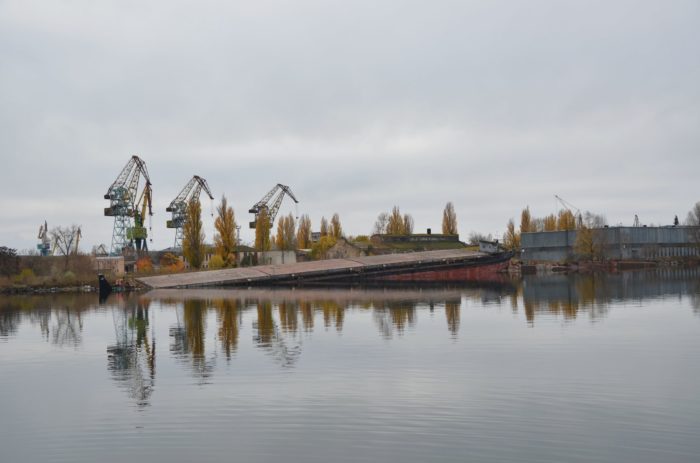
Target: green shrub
{"points": [[69, 277], [25, 277]]}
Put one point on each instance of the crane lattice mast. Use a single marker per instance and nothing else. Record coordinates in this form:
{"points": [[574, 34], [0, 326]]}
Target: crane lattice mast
{"points": [[272, 206], [178, 206], [122, 195]]}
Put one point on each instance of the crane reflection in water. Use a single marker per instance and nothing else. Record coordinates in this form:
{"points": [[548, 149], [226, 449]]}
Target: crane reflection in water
{"points": [[132, 359]]}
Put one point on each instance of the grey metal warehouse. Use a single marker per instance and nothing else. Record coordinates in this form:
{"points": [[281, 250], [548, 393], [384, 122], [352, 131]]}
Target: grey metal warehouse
{"points": [[618, 243]]}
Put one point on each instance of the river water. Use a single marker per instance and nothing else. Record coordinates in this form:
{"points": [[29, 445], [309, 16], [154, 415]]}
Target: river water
{"points": [[602, 368]]}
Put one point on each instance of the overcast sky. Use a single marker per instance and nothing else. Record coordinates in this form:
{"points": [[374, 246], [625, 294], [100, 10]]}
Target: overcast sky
{"points": [[356, 105]]}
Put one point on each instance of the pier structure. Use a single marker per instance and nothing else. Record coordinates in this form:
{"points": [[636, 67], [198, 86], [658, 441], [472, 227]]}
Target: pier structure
{"points": [[444, 265]]}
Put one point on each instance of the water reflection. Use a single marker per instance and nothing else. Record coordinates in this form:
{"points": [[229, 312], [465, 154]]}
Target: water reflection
{"points": [[569, 295], [132, 359], [394, 317], [188, 339], [228, 318], [67, 327], [58, 316], [281, 319], [452, 315], [284, 349]]}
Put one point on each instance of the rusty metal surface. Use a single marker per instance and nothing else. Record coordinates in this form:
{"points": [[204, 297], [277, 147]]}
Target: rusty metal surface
{"points": [[264, 273]]}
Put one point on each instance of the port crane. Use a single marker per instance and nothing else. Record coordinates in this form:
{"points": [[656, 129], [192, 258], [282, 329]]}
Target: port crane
{"points": [[571, 208], [44, 245], [137, 235], [271, 205], [178, 206], [123, 205]]}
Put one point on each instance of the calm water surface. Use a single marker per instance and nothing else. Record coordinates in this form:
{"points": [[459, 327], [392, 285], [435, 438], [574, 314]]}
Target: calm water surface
{"points": [[582, 369]]}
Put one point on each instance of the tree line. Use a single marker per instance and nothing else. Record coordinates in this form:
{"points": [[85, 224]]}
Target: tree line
{"points": [[291, 234], [562, 221]]}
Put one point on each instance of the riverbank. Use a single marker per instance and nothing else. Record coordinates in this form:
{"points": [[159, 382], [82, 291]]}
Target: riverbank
{"points": [[612, 266]]}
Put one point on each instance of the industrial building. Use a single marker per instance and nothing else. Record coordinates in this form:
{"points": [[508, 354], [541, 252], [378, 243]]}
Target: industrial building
{"points": [[615, 243]]}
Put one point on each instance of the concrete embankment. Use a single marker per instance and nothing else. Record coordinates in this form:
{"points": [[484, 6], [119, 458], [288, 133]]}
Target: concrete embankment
{"points": [[351, 269]]}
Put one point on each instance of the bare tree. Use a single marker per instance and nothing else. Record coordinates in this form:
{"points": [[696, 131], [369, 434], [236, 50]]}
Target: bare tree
{"points": [[476, 237], [65, 241], [592, 220], [381, 223], [693, 218]]}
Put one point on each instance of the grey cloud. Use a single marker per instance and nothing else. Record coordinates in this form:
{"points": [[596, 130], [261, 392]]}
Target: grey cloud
{"points": [[357, 106]]}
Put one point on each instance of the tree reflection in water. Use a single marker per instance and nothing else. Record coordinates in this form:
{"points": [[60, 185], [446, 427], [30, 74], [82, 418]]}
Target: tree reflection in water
{"points": [[10, 319], [394, 316], [188, 339], [270, 339], [452, 309], [132, 360], [68, 327], [289, 314], [333, 314], [307, 315], [228, 319]]}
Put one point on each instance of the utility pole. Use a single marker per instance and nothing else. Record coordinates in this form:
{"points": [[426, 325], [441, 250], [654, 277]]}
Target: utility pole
{"points": [[238, 242]]}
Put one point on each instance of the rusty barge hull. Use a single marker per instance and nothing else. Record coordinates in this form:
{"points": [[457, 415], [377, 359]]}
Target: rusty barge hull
{"points": [[435, 266]]}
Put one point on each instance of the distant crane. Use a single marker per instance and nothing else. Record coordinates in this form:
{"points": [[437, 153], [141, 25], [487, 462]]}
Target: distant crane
{"points": [[178, 206], [76, 241], [122, 195], [272, 206], [44, 245], [576, 212]]}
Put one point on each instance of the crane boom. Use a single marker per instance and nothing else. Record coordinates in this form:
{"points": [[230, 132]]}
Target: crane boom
{"points": [[568, 206], [271, 206], [178, 206]]}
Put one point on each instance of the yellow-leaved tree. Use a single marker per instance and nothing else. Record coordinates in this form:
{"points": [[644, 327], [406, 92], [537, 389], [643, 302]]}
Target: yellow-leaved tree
{"points": [[225, 238], [511, 238], [262, 230], [304, 232], [526, 224], [550, 223], [324, 227], [193, 234], [566, 220], [286, 239], [449, 220], [336, 230], [395, 224]]}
